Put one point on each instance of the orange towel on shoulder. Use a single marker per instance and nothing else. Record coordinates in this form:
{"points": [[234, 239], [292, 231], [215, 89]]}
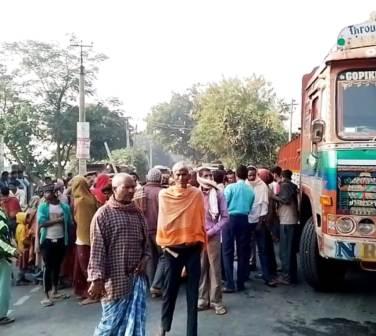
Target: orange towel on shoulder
{"points": [[181, 217]]}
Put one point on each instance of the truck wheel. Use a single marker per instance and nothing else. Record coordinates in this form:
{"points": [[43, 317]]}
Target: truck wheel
{"points": [[320, 273]]}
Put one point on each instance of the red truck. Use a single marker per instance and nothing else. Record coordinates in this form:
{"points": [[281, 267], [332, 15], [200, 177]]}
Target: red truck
{"points": [[334, 160]]}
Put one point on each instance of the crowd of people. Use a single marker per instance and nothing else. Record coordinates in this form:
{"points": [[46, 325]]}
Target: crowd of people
{"points": [[116, 240]]}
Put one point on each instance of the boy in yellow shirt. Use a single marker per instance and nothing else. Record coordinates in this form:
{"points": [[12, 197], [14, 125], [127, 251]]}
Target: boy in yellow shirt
{"points": [[23, 244]]}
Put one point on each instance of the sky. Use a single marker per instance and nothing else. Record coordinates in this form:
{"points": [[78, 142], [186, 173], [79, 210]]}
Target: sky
{"points": [[157, 47]]}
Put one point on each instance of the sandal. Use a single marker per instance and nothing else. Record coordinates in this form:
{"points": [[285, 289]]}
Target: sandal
{"points": [[203, 307], [6, 320], [88, 301], [60, 296], [47, 303], [271, 283], [220, 310], [155, 292]]}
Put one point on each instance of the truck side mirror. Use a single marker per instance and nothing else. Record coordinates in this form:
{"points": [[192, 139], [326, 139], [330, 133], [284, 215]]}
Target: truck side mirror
{"points": [[317, 130]]}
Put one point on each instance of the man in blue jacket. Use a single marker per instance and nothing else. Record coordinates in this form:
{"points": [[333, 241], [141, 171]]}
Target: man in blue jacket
{"points": [[240, 198]]}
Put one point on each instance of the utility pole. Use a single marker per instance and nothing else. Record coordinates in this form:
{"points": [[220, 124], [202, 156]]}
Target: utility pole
{"points": [[83, 130], [1, 153], [2, 145], [127, 135], [292, 106]]}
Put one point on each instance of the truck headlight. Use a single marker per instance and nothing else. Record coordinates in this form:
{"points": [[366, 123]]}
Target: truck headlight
{"points": [[345, 225], [366, 227]]}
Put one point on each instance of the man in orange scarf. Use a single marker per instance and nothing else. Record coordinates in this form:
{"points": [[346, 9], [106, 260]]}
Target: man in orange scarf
{"points": [[181, 234]]}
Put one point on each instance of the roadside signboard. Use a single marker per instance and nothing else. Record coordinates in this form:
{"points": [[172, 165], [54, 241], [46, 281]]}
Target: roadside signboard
{"points": [[83, 141]]}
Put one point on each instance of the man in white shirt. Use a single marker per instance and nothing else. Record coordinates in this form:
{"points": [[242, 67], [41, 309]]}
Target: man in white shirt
{"points": [[257, 218], [25, 183]]}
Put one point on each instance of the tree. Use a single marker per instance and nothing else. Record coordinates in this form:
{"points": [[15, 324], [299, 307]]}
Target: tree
{"points": [[239, 121], [171, 123], [105, 125], [19, 126], [49, 72], [132, 157]]}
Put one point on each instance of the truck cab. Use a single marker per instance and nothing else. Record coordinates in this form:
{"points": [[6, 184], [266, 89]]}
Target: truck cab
{"points": [[338, 159]]}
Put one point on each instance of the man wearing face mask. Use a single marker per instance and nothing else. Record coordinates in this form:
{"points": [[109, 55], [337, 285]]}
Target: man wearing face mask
{"points": [[216, 216], [118, 258]]}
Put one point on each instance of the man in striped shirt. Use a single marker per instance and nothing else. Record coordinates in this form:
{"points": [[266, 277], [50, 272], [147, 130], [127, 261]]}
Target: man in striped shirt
{"points": [[117, 263]]}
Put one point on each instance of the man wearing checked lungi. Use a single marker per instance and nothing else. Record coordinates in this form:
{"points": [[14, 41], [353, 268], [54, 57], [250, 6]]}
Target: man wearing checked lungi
{"points": [[117, 262]]}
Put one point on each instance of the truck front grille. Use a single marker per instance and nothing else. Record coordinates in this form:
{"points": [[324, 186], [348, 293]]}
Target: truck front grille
{"points": [[356, 193]]}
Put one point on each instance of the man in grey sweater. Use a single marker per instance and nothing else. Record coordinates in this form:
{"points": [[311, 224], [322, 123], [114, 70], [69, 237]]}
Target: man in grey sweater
{"points": [[287, 199]]}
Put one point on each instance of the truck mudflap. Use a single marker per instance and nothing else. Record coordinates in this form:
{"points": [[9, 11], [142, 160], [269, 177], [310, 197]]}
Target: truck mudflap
{"points": [[348, 249]]}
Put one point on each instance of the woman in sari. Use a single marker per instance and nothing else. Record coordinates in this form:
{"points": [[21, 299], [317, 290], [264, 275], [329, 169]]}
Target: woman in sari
{"points": [[84, 208], [103, 181], [34, 255]]}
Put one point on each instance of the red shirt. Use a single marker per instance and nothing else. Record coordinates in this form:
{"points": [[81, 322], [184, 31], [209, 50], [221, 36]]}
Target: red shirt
{"points": [[11, 206]]}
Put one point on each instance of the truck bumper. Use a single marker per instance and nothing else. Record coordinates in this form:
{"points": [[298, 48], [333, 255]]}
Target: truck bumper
{"points": [[347, 248]]}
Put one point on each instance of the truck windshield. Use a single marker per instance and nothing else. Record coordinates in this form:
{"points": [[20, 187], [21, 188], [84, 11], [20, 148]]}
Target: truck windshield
{"points": [[356, 104]]}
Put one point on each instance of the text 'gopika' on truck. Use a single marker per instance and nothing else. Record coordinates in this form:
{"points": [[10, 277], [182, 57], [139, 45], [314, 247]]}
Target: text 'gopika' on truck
{"points": [[335, 157]]}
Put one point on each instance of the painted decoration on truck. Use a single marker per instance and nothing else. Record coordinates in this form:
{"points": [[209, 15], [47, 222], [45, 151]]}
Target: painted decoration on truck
{"points": [[348, 250], [356, 193], [363, 75], [358, 35]]}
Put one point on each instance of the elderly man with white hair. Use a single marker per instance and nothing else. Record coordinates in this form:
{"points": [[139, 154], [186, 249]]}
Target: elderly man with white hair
{"points": [[181, 234], [117, 263]]}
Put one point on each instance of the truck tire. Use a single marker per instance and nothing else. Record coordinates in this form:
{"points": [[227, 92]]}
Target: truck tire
{"points": [[320, 273]]}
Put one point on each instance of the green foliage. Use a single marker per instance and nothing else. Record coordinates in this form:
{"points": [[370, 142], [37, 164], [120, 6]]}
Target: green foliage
{"points": [[38, 104], [233, 120], [21, 134], [171, 123], [47, 75], [132, 157], [238, 121], [20, 125], [105, 125]]}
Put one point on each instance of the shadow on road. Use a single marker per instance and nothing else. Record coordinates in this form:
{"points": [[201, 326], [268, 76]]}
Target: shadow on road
{"points": [[357, 283], [326, 327]]}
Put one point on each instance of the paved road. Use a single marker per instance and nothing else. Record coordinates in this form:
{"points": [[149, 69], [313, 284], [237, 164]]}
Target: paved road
{"points": [[296, 311]]}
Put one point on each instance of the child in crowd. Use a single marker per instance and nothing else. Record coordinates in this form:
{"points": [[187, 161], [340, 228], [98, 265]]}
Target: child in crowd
{"points": [[23, 244]]}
